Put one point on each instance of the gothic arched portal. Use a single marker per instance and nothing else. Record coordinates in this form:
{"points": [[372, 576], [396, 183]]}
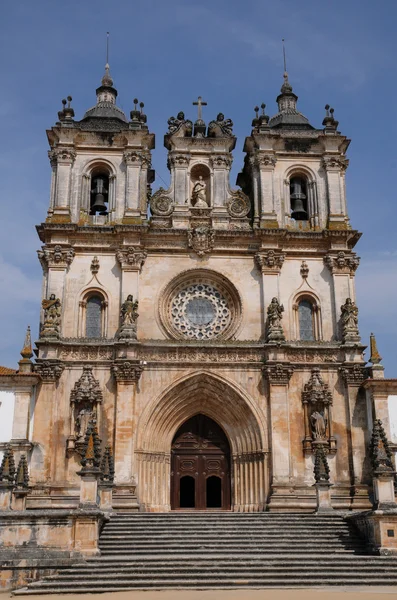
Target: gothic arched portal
{"points": [[200, 466], [236, 415]]}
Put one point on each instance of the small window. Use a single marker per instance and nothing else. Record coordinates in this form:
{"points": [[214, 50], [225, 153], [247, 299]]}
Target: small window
{"points": [[94, 317], [298, 198], [306, 325], [99, 193]]}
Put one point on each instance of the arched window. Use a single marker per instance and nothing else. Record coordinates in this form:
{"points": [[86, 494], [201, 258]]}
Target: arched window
{"points": [[93, 317], [299, 198], [307, 318], [99, 193], [306, 321]]}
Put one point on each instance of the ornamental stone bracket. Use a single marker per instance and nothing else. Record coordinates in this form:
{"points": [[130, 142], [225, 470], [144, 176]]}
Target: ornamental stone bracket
{"points": [[201, 239], [353, 374], [266, 161], [127, 371], [49, 370], [178, 160], [131, 258], [270, 261], [279, 373], [317, 405], [221, 161], [58, 257], [342, 262]]}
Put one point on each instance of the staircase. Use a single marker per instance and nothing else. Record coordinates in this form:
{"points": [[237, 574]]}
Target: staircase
{"points": [[223, 551]]}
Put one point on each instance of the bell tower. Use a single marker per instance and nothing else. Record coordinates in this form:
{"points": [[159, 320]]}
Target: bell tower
{"points": [[294, 173]]}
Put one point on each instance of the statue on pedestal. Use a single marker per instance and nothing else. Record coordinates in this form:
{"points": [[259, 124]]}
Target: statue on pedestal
{"points": [[52, 317], [274, 328], [349, 319], [319, 425], [128, 316]]}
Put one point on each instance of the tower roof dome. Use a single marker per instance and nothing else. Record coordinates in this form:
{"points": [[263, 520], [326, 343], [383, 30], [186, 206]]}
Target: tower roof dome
{"points": [[288, 116], [105, 107]]}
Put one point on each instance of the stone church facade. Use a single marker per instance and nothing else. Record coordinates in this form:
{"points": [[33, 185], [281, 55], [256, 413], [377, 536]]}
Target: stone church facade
{"points": [[210, 332]]}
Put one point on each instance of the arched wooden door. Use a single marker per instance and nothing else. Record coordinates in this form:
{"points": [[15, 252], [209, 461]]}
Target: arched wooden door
{"points": [[200, 466]]}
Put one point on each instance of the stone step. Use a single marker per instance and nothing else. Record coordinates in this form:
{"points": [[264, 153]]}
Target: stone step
{"points": [[210, 583], [236, 551]]}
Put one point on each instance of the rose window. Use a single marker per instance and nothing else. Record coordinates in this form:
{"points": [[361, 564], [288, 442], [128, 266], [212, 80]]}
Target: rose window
{"points": [[200, 311], [200, 304]]}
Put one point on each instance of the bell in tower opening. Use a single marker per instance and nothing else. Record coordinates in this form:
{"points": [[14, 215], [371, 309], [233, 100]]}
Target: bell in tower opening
{"points": [[99, 192], [298, 198]]}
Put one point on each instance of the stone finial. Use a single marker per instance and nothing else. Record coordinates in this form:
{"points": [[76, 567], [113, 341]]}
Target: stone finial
{"points": [[7, 467], [26, 351], [91, 449], [22, 473], [329, 121], [67, 112], [304, 270], [95, 266], [375, 358], [275, 331], [107, 465], [321, 467], [380, 453], [26, 365], [137, 116], [349, 321]]}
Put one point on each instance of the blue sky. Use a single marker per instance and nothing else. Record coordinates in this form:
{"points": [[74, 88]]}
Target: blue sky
{"points": [[167, 52]]}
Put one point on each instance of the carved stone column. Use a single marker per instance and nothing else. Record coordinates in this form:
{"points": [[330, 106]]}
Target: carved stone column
{"points": [[135, 162], [65, 158], [55, 261], [127, 374], [131, 259], [266, 164], [42, 436], [343, 266], [278, 376], [334, 166], [353, 376], [269, 263]]}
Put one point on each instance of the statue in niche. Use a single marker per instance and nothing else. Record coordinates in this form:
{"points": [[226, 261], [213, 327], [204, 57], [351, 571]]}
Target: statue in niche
{"points": [[52, 317], [83, 418], [199, 195], [319, 425]]}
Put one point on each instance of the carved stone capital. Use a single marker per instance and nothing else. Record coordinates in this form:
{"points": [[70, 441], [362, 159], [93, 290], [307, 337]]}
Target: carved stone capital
{"points": [[353, 374], [131, 257], [270, 260], [56, 256], [221, 162], [342, 262], [137, 158], [127, 371], [278, 374], [267, 161], [65, 156], [335, 163], [49, 370], [179, 160]]}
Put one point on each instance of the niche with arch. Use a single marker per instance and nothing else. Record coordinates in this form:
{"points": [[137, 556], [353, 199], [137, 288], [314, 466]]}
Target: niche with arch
{"points": [[307, 318], [93, 315], [98, 190], [200, 186], [301, 198]]}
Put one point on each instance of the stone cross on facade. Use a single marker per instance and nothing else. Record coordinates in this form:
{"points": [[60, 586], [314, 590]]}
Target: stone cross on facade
{"points": [[200, 103]]}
